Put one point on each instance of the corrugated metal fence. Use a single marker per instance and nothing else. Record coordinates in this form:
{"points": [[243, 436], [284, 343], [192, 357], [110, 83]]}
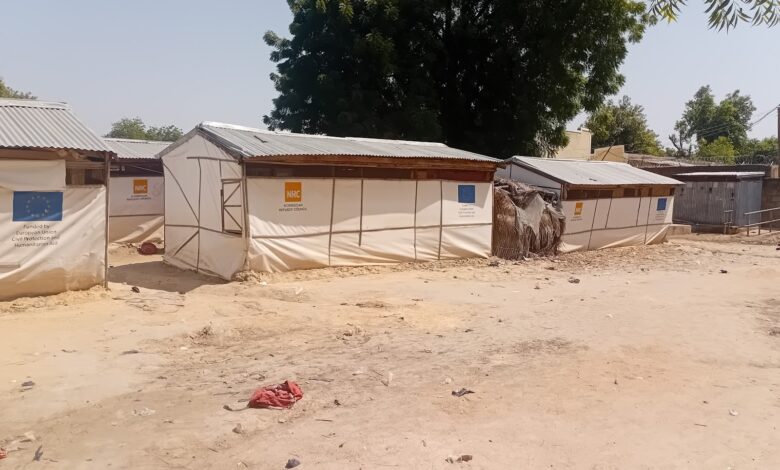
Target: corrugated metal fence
{"points": [[706, 202]]}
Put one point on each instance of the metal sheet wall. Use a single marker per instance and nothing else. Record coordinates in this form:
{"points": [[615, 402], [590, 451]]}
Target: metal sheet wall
{"points": [[749, 200], [705, 202]]}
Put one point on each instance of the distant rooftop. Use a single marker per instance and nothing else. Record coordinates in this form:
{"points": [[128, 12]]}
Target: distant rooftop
{"points": [[592, 173], [132, 149]]}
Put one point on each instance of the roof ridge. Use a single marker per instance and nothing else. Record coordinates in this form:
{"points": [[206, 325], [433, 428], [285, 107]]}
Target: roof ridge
{"points": [[25, 103], [136, 141], [317, 136]]}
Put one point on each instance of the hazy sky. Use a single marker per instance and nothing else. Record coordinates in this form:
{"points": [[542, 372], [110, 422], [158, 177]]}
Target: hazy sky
{"points": [[181, 62]]}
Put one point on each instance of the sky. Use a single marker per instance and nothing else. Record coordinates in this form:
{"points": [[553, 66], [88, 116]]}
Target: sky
{"points": [[182, 62]]}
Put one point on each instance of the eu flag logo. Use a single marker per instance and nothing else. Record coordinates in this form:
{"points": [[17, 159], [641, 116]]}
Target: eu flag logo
{"points": [[661, 206], [467, 194], [33, 206]]}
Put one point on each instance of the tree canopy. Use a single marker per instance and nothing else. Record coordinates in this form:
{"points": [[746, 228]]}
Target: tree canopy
{"points": [[8, 92], [706, 120], [759, 151], [720, 150], [623, 123], [499, 77], [724, 14], [135, 128]]}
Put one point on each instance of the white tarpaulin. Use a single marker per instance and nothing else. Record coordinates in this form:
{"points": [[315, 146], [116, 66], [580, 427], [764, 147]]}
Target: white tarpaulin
{"points": [[32, 175], [219, 222], [136, 209], [194, 236], [51, 241], [317, 222], [611, 222]]}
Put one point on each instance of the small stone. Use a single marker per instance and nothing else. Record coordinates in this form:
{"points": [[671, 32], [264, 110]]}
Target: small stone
{"points": [[448, 380], [28, 384], [144, 412], [292, 463], [238, 429], [733, 412], [135, 289], [574, 280]]}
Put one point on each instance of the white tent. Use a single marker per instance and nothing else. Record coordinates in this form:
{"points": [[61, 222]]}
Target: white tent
{"points": [[53, 200], [137, 209], [607, 204], [239, 198]]}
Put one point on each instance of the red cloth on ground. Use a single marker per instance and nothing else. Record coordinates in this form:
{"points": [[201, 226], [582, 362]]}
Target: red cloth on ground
{"points": [[283, 395], [148, 248]]}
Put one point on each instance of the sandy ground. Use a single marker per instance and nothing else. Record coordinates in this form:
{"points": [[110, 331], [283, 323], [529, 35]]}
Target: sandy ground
{"points": [[655, 359]]}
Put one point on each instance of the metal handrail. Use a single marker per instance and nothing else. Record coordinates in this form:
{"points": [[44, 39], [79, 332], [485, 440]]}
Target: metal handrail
{"points": [[728, 223], [728, 220], [759, 224]]}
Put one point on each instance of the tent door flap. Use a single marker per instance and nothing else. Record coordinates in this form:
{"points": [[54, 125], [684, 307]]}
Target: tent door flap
{"points": [[232, 206]]}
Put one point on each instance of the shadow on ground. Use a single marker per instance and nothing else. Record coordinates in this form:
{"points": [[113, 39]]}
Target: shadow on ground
{"points": [[160, 276]]}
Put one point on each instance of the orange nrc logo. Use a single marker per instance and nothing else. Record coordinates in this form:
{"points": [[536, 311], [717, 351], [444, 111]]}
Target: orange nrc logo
{"points": [[293, 192], [578, 209], [140, 186]]}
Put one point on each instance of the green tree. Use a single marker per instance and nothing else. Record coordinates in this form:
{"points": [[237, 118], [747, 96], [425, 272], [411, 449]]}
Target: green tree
{"points": [[704, 119], [719, 150], [8, 92], [759, 151], [724, 13], [135, 128], [499, 77], [623, 123], [164, 133]]}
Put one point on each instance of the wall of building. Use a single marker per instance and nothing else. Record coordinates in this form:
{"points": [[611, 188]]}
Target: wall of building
{"points": [[770, 198], [579, 145]]}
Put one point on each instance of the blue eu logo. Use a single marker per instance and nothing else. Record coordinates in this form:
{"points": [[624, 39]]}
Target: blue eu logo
{"points": [[33, 206], [467, 194]]}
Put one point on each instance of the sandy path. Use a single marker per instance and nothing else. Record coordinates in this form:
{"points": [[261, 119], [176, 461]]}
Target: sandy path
{"points": [[636, 366]]}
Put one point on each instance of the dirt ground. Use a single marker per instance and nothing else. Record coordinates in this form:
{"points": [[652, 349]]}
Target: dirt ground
{"points": [[653, 359]]}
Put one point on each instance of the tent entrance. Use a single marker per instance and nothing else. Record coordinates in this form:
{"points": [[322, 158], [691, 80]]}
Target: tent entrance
{"points": [[232, 206]]}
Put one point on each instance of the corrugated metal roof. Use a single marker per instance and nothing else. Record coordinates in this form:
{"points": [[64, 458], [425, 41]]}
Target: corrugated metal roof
{"points": [[592, 173], [132, 149], [263, 143], [38, 124]]}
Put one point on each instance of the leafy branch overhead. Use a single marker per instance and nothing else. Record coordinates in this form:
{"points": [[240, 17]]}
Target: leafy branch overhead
{"points": [[724, 14]]}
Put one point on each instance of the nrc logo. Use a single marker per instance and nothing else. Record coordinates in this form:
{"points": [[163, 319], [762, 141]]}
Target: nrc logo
{"points": [[293, 191], [140, 186], [578, 209]]}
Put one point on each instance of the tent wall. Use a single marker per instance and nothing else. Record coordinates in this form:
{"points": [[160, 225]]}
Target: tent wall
{"points": [[611, 222], [44, 250], [317, 222], [195, 237], [136, 212]]}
